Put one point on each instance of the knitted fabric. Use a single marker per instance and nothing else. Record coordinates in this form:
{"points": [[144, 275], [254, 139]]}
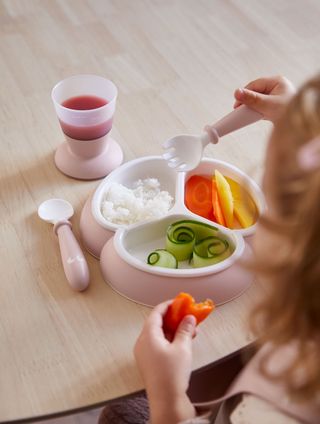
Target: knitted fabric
{"points": [[134, 410]]}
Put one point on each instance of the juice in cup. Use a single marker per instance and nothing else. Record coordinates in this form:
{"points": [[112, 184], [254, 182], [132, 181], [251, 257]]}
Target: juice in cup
{"points": [[89, 132], [85, 106]]}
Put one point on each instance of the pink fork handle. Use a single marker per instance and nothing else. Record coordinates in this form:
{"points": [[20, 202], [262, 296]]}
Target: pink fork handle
{"points": [[238, 118], [74, 263]]}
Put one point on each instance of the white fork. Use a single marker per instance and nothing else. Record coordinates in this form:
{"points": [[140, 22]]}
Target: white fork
{"points": [[184, 152]]}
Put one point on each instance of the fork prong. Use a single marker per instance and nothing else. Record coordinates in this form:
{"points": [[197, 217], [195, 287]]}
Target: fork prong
{"points": [[168, 144], [171, 165], [181, 167], [169, 149], [176, 163], [174, 160], [169, 155]]}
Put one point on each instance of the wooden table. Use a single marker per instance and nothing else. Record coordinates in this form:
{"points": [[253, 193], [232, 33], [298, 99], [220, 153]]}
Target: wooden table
{"points": [[176, 64]]}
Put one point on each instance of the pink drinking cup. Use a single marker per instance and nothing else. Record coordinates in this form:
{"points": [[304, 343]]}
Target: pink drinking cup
{"points": [[85, 105], [86, 130]]}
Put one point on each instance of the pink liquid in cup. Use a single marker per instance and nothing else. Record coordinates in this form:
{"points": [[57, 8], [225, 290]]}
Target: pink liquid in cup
{"points": [[85, 106], [90, 132]]}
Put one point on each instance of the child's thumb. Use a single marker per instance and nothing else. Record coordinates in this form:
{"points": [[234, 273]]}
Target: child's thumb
{"points": [[186, 329], [257, 101]]}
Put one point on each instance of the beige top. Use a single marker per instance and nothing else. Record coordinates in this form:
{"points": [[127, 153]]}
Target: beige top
{"points": [[263, 400], [251, 410]]}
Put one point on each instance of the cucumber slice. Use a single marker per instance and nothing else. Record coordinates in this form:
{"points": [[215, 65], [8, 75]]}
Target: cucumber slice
{"points": [[163, 258], [180, 241], [182, 236], [200, 229], [211, 246], [191, 240], [209, 251]]}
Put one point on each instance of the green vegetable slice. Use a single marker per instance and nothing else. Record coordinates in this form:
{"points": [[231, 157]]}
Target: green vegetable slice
{"points": [[200, 229], [180, 241], [163, 258], [209, 251], [182, 236], [191, 240]]}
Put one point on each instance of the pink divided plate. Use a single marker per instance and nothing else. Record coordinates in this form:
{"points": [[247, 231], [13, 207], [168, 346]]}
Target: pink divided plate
{"points": [[123, 250]]}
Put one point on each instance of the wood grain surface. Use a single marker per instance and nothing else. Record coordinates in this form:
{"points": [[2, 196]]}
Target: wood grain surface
{"points": [[176, 64]]}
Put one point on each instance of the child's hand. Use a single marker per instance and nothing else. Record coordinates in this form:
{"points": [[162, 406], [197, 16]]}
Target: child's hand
{"points": [[266, 95], [166, 366]]}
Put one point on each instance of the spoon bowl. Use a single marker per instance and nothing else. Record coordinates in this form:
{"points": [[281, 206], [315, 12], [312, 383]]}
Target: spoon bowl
{"points": [[55, 210]]}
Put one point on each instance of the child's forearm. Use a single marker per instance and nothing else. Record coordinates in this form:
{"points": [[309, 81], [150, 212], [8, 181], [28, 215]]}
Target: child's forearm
{"points": [[170, 410]]}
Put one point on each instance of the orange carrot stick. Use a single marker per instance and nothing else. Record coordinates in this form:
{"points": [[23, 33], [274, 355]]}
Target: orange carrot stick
{"points": [[217, 210]]}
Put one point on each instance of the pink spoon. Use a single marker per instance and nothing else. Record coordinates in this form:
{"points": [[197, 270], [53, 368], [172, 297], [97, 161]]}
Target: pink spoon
{"points": [[57, 212]]}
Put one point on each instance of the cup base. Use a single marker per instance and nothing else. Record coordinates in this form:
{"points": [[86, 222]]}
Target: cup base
{"points": [[88, 168]]}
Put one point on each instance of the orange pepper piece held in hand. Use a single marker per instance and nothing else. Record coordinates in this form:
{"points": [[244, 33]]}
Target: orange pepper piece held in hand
{"points": [[184, 304]]}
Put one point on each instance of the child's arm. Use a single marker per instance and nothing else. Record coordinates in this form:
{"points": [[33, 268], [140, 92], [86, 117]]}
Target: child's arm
{"points": [[266, 95], [165, 367]]}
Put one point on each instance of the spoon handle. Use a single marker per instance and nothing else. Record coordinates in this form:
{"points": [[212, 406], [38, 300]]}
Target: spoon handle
{"points": [[74, 263], [238, 118]]}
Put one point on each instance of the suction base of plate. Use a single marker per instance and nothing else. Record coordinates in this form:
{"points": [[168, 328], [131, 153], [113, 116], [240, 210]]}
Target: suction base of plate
{"points": [[93, 235], [150, 289], [88, 168]]}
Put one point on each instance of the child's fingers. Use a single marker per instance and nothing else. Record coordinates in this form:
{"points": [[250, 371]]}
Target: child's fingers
{"points": [[186, 330], [170, 336], [152, 330], [161, 308], [238, 95], [263, 85], [257, 101], [154, 321], [259, 86], [195, 333]]}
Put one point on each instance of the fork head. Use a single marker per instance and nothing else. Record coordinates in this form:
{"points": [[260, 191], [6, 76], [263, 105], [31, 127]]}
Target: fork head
{"points": [[183, 152]]}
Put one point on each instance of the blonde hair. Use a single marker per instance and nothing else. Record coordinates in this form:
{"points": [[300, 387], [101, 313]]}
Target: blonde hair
{"points": [[290, 309]]}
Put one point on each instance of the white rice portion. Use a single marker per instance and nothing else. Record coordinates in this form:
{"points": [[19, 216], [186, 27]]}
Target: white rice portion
{"points": [[146, 200]]}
